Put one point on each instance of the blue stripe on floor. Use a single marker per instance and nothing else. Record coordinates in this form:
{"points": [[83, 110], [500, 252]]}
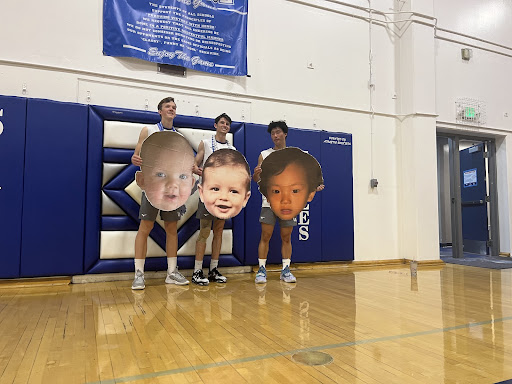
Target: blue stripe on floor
{"points": [[292, 352]]}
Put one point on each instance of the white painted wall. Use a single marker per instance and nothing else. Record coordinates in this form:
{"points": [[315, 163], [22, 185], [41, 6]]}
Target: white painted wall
{"points": [[486, 77], [52, 50]]}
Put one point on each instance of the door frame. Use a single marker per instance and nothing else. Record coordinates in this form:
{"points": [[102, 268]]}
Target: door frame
{"points": [[455, 192]]}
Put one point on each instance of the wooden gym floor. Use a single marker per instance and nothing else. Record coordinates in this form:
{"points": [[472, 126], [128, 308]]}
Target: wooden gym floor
{"points": [[450, 324]]}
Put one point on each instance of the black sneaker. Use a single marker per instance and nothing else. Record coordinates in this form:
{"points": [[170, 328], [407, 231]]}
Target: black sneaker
{"points": [[215, 276], [199, 279]]}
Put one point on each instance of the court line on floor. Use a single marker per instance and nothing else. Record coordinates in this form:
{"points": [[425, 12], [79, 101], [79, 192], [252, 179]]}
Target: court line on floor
{"points": [[249, 359]]}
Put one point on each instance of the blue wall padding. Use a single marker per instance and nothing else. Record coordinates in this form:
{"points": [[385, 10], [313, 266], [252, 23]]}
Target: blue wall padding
{"points": [[117, 155], [239, 236], [157, 264], [256, 140], [118, 223], [115, 187], [238, 226], [54, 189], [338, 210], [238, 131], [124, 201], [186, 230], [12, 156], [193, 122], [52, 159], [123, 178], [129, 115], [127, 265], [308, 250], [307, 236], [93, 196]]}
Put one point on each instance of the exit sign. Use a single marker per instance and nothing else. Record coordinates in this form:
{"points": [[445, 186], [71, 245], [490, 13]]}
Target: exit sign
{"points": [[469, 113]]}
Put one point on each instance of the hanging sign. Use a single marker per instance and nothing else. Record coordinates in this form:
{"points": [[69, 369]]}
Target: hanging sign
{"points": [[205, 35]]}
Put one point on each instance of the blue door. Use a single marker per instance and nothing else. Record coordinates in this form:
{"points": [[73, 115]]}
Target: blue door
{"points": [[475, 231]]}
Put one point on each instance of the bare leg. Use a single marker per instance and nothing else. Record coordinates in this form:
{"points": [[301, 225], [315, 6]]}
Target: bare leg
{"points": [[266, 235], [218, 228], [141, 240], [204, 232], [171, 239], [286, 242]]}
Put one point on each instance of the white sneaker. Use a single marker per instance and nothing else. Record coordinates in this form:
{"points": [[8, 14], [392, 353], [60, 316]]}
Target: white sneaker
{"points": [[138, 282], [199, 278], [176, 278]]}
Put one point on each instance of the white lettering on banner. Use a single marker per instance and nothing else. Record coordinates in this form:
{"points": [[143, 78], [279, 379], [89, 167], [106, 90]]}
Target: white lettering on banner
{"points": [[337, 140], [304, 224], [1, 124], [180, 55]]}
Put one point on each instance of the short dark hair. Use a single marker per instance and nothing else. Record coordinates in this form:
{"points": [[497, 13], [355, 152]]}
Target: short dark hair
{"points": [[163, 101], [275, 163], [231, 157], [278, 124], [217, 119]]}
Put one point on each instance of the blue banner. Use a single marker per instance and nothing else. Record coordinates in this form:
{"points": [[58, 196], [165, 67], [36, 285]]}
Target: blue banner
{"points": [[205, 35]]}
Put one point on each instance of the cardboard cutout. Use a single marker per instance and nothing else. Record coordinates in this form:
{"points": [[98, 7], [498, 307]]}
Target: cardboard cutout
{"points": [[226, 183], [166, 171], [289, 180]]}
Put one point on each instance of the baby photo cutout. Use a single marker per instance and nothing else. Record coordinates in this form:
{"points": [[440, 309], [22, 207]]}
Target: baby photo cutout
{"points": [[289, 180], [225, 184], [166, 171]]}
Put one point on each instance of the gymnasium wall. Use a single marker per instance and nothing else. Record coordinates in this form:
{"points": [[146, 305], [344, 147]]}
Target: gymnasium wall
{"points": [[71, 203], [485, 28], [309, 63]]}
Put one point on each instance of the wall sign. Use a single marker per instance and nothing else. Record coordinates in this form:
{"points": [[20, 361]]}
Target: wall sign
{"points": [[205, 35]]}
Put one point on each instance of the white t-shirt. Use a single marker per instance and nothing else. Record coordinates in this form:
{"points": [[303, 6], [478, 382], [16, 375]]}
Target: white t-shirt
{"points": [[158, 128], [211, 145]]}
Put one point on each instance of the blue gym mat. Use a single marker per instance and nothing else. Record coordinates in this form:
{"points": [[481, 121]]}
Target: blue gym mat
{"points": [[480, 261]]}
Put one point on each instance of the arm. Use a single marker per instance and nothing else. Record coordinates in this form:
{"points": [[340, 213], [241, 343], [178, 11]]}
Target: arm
{"points": [[136, 159], [199, 160], [257, 170]]}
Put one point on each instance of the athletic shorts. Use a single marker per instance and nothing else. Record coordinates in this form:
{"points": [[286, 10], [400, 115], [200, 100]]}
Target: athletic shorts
{"points": [[202, 212], [148, 212], [269, 217]]}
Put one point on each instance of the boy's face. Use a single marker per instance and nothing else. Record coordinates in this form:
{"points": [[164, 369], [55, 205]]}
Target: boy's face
{"points": [[168, 110], [222, 126], [166, 177], [288, 192], [278, 136], [224, 190]]}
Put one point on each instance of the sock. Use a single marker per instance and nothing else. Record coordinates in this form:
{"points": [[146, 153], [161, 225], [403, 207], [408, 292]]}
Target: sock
{"points": [[139, 265], [286, 263], [214, 264], [198, 265], [262, 262], [172, 262]]}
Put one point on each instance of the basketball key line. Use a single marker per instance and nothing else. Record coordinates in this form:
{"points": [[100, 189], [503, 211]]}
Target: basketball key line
{"points": [[292, 352]]}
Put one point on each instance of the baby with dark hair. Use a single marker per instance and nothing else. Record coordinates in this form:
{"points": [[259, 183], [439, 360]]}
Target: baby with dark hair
{"points": [[226, 183], [289, 180]]}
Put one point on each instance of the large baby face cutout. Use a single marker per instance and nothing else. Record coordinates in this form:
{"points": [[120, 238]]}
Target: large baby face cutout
{"points": [[166, 171], [226, 183], [289, 179]]}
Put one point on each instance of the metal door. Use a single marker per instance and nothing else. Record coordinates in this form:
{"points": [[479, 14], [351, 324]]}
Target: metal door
{"points": [[475, 231]]}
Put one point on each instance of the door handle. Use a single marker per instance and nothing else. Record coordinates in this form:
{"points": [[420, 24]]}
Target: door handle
{"points": [[472, 203]]}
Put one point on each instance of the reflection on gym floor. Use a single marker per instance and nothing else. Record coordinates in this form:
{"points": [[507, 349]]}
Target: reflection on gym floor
{"points": [[382, 325]]}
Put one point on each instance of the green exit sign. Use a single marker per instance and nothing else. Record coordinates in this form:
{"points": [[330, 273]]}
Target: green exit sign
{"points": [[469, 113]]}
